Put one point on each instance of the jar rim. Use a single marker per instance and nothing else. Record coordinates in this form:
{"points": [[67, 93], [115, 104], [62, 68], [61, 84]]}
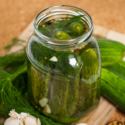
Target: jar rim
{"points": [[63, 42]]}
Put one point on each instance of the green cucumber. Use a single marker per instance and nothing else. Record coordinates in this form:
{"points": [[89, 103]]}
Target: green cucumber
{"points": [[61, 35], [89, 79], [64, 93], [77, 28], [111, 51], [119, 68], [73, 95], [72, 64], [58, 96], [113, 84], [39, 85], [63, 99]]}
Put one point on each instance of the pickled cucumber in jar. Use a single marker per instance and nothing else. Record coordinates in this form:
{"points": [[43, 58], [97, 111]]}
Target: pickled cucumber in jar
{"points": [[64, 78]]}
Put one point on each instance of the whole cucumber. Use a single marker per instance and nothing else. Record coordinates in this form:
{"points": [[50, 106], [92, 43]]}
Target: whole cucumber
{"points": [[118, 68], [89, 79], [111, 51], [39, 85], [113, 84], [64, 93]]}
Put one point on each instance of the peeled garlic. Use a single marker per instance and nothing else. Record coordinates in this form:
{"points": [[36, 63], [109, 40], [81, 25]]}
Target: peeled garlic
{"points": [[43, 102], [21, 119], [54, 59], [47, 109]]}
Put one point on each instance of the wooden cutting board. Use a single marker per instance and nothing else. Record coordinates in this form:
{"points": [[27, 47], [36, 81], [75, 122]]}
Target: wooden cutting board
{"points": [[105, 109]]}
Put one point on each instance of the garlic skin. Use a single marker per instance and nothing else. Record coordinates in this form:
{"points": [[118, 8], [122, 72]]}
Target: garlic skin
{"points": [[21, 119], [14, 114]]}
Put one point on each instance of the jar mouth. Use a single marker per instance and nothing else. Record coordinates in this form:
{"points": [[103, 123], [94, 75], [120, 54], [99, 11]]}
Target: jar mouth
{"points": [[58, 9]]}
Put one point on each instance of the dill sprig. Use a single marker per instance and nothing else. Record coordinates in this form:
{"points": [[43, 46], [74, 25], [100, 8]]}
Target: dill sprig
{"points": [[11, 62], [11, 98], [62, 66], [63, 24], [14, 41], [13, 87]]}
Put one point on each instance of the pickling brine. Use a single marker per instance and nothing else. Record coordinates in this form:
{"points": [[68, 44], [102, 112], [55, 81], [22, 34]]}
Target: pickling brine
{"points": [[64, 64]]}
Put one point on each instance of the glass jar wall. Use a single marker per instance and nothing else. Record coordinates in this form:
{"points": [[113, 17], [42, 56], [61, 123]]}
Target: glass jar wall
{"points": [[63, 72]]}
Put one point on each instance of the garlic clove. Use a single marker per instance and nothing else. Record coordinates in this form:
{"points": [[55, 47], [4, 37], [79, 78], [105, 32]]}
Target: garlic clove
{"points": [[21, 119], [43, 102], [54, 59], [47, 109], [30, 121], [12, 121], [14, 114]]}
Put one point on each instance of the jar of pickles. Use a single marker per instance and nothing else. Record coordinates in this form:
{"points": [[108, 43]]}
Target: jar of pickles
{"points": [[64, 64]]}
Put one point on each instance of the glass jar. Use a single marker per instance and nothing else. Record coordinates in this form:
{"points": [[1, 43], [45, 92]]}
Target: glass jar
{"points": [[64, 75]]}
